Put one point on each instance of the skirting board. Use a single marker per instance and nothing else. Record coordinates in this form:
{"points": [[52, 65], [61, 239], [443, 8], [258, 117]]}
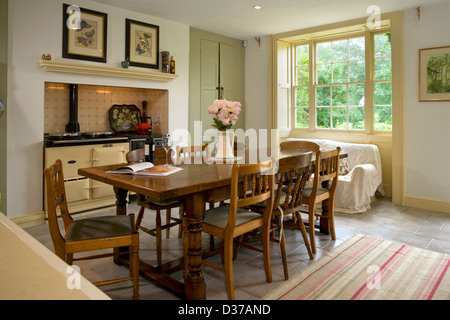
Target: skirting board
{"points": [[427, 204], [29, 220]]}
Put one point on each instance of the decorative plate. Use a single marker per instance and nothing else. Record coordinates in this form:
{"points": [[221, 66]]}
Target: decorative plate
{"points": [[123, 118]]}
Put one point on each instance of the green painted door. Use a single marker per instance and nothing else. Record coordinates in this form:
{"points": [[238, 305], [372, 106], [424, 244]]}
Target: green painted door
{"points": [[216, 70]]}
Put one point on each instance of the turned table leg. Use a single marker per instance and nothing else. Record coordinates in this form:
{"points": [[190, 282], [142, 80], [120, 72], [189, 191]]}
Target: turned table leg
{"points": [[195, 287], [121, 209], [121, 202]]}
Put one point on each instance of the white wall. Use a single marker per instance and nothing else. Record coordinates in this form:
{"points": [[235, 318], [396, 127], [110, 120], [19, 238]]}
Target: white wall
{"points": [[427, 129], [35, 28]]}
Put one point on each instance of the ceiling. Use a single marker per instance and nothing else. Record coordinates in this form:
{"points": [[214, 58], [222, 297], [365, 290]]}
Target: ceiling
{"points": [[238, 19]]}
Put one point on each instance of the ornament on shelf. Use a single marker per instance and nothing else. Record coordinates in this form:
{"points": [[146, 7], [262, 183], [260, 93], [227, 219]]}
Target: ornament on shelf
{"points": [[47, 57], [172, 65]]}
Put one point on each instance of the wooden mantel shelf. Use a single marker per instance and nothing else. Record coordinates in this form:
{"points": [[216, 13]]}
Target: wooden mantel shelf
{"points": [[78, 68]]}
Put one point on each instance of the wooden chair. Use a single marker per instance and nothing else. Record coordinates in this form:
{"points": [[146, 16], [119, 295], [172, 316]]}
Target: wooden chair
{"points": [[290, 181], [138, 155], [188, 151], [322, 188], [109, 232], [248, 186]]}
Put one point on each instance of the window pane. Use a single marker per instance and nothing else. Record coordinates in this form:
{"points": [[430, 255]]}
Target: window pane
{"points": [[303, 75], [383, 94], [357, 71], [356, 118], [302, 118], [383, 118], [324, 74], [324, 52], [340, 51], [323, 118], [339, 96], [302, 55], [340, 118], [323, 96], [302, 97], [382, 45], [383, 69], [356, 95], [357, 49], [340, 72]]}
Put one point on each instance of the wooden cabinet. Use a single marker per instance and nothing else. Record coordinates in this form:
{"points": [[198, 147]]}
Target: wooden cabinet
{"points": [[83, 193]]}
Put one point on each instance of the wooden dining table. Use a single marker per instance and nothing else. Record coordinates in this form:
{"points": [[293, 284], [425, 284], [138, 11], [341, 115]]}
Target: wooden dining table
{"points": [[200, 182]]}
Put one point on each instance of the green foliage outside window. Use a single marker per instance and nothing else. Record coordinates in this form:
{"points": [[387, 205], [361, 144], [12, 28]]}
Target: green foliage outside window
{"points": [[340, 84]]}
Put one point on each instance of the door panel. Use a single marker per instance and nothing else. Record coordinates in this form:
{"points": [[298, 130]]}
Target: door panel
{"points": [[230, 78], [103, 156], [77, 190], [72, 159], [209, 79], [227, 71], [101, 190]]}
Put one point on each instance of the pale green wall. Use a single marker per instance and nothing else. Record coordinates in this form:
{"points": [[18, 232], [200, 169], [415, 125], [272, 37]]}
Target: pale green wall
{"points": [[3, 93]]}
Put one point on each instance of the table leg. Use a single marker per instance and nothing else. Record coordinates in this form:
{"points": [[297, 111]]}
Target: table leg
{"points": [[121, 209], [195, 286], [121, 202]]}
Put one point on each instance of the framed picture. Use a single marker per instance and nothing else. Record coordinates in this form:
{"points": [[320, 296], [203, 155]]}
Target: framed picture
{"points": [[84, 34], [434, 74], [142, 44]]}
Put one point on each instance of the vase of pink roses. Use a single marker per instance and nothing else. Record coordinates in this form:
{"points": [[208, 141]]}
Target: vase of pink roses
{"points": [[226, 113]]}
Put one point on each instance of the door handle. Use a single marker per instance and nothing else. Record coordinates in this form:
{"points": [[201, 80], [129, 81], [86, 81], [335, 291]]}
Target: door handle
{"points": [[221, 92]]}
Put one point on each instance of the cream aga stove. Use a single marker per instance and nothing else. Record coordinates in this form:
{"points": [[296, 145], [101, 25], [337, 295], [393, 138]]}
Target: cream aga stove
{"points": [[83, 193], [77, 149]]}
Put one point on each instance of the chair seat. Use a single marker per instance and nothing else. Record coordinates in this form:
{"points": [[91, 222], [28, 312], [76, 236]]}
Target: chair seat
{"points": [[219, 216], [101, 227], [148, 202], [308, 190]]}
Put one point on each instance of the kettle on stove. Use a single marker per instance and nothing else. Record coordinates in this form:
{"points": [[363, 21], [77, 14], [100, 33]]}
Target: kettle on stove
{"points": [[143, 128]]}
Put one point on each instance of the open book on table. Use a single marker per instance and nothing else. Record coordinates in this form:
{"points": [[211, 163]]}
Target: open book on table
{"points": [[146, 169]]}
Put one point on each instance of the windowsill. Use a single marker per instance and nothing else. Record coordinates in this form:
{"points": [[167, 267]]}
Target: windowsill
{"points": [[333, 132], [345, 136]]}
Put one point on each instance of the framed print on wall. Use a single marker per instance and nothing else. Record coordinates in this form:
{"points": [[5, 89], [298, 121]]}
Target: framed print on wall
{"points": [[434, 74], [84, 34], [142, 44]]}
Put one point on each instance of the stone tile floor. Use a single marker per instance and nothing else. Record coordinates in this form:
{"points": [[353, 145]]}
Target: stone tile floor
{"points": [[416, 227]]}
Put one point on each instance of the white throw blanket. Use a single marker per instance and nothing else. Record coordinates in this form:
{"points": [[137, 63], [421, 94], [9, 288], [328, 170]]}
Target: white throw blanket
{"points": [[354, 189]]}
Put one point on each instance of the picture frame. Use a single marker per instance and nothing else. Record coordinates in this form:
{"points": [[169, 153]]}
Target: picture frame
{"points": [[434, 74], [85, 34], [142, 44]]}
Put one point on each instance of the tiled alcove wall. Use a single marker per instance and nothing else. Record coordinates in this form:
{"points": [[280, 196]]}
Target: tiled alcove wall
{"points": [[94, 103]]}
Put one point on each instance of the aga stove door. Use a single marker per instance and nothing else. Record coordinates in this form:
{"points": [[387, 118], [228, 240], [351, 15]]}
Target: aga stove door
{"points": [[106, 155]]}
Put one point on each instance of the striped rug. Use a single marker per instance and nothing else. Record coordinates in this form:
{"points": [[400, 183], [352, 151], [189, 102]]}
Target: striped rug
{"points": [[367, 268]]}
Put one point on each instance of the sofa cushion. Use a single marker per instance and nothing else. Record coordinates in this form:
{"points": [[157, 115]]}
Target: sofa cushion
{"points": [[344, 167]]}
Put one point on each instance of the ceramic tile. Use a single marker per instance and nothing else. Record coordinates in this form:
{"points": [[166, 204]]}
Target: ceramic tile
{"points": [[94, 103]]}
